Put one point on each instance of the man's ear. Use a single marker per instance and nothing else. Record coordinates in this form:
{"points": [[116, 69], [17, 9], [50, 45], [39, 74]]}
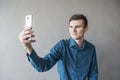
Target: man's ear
{"points": [[86, 29]]}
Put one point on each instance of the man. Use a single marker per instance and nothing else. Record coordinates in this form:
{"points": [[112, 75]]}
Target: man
{"points": [[76, 57]]}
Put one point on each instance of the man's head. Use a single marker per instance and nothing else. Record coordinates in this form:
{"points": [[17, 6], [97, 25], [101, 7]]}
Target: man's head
{"points": [[79, 17], [78, 26]]}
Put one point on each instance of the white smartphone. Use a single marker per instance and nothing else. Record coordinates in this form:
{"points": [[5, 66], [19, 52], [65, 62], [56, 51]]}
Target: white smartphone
{"points": [[28, 21]]}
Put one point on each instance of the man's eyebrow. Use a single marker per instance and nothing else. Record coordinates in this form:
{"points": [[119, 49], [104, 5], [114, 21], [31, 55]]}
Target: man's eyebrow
{"points": [[78, 25]]}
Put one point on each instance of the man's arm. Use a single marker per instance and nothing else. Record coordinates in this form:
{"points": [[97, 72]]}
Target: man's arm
{"points": [[46, 63], [39, 63]]}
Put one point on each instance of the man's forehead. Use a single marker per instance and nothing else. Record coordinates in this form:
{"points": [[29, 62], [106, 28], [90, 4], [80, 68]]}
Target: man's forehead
{"points": [[76, 22]]}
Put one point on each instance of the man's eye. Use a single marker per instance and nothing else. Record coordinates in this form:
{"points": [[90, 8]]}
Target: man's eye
{"points": [[71, 26], [78, 26]]}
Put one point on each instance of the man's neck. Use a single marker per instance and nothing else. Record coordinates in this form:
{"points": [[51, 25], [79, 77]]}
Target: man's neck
{"points": [[79, 42]]}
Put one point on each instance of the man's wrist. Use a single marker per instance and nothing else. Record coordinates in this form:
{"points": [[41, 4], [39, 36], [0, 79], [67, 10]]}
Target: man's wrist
{"points": [[29, 49]]}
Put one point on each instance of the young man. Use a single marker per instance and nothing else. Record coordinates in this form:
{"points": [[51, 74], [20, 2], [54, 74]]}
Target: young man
{"points": [[76, 57]]}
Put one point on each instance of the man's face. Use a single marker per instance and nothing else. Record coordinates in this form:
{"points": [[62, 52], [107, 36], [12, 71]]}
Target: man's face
{"points": [[77, 29]]}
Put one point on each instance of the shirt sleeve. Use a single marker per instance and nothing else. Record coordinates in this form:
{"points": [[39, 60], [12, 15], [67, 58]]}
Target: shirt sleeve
{"points": [[47, 62], [93, 74]]}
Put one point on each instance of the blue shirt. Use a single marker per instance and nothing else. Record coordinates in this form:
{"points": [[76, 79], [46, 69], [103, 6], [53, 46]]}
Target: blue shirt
{"points": [[74, 62]]}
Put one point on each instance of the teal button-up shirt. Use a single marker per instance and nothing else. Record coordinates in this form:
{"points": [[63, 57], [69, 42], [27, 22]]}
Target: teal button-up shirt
{"points": [[74, 62]]}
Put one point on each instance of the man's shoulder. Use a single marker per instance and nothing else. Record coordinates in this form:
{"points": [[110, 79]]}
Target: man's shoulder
{"points": [[89, 44], [64, 41]]}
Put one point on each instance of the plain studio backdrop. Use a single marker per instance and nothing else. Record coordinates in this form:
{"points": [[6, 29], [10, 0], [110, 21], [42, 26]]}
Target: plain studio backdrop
{"points": [[50, 23]]}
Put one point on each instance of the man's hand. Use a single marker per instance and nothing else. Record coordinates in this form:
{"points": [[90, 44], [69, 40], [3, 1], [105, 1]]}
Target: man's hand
{"points": [[26, 37]]}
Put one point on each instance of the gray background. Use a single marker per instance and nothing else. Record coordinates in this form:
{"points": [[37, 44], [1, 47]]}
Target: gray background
{"points": [[50, 23]]}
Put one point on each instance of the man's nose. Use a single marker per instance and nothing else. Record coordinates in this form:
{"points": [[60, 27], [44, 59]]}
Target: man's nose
{"points": [[74, 30]]}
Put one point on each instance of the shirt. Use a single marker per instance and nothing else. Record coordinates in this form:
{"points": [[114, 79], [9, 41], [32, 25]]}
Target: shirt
{"points": [[74, 62]]}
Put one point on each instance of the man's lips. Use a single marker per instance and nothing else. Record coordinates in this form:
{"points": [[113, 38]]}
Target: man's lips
{"points": [[74, 34]]}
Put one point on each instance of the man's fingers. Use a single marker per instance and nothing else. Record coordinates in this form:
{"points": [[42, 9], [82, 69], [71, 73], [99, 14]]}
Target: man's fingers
{"points": [[32, 41], [26, 36], [29, 37], [28, 32], [29, 41]]}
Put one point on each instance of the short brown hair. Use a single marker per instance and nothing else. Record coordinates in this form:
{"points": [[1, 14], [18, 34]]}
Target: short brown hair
{"points": [[79, 17]]}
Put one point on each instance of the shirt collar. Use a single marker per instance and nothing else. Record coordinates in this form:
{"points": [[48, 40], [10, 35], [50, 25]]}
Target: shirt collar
{"points": [[73, 43]]}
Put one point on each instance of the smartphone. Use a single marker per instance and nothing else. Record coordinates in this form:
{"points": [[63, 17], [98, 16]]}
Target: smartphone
{"points": [[28, 21]]}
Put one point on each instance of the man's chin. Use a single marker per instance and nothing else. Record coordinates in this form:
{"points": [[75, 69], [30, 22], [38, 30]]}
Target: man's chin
{"points": [[75, 38]]}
